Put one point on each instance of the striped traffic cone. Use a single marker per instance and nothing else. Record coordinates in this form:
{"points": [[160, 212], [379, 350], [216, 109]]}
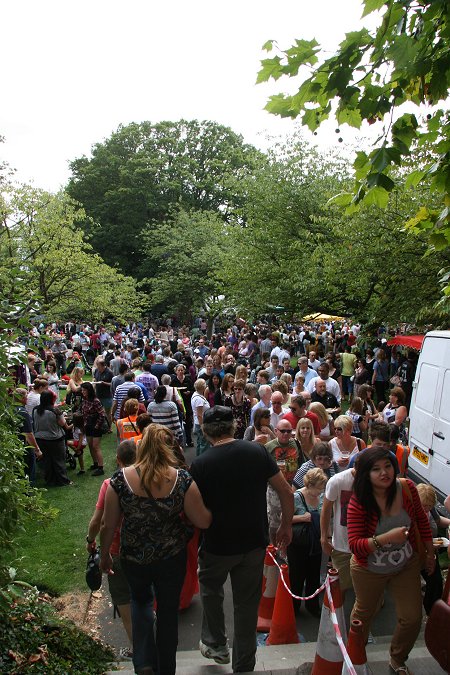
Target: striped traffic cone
{"points": [[356, 649], [269, 589], [283, 630], [328, 659]]}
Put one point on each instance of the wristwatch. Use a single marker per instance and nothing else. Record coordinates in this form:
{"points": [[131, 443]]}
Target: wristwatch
{"points": [[89, 541]]}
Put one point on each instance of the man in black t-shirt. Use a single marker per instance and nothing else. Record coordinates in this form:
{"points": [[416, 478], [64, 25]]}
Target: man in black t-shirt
{"points": [[232, 477]]}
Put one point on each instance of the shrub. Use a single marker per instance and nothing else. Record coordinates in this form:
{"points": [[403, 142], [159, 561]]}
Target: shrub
{"points": [[34, 639]]}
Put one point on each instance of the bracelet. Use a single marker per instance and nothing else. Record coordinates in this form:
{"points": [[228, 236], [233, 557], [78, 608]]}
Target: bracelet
{"points": [[376, 542]]}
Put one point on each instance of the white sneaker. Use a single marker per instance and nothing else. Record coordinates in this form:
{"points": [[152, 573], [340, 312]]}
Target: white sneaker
{"points": [[126, 653], [220, 655]]}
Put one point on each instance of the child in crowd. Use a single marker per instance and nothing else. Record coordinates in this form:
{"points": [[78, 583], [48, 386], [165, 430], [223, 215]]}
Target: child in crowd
{"points": [[78, 443]]}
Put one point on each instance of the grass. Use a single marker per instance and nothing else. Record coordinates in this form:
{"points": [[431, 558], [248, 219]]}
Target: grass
{"points": [[54, 558]]}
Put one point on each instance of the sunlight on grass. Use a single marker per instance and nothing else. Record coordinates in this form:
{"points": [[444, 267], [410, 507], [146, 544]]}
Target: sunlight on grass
{"points": [[54, 557]]}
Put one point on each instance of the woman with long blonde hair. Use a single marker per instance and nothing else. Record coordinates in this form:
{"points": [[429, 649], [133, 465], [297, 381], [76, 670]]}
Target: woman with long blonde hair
{"points": [[325, 420], [151, 496], [305, 439]]}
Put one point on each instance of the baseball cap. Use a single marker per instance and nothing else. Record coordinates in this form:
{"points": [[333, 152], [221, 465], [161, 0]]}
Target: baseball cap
{"points": [[219, 413]]}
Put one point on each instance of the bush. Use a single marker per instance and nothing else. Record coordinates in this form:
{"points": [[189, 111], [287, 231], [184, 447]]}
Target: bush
{"points": [[33, 639]]}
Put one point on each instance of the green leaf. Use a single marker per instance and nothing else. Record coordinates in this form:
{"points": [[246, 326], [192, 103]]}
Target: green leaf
{"points": [[384, 157], [268, 46], [435, 122], [413, 179], [377, 196], [403, 52], [279, 104], [304, 52], [341, 199], [421, 215], [270, 68], [380, 179], [439, 241], [349, 116], [372, 6], [311, 119]]}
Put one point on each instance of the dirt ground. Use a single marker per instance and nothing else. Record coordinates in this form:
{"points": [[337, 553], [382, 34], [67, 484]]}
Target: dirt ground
{"points": [[82, 609]]}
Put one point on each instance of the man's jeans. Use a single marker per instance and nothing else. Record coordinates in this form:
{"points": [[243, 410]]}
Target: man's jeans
{"points": [[245, 572]]}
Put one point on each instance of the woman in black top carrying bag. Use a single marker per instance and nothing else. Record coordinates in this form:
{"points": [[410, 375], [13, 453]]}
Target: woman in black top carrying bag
{"points": [[49, 426]]}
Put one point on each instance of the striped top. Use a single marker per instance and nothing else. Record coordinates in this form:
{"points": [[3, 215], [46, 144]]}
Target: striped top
{"points": [[361, 524], [166, 413], [121, 394]]}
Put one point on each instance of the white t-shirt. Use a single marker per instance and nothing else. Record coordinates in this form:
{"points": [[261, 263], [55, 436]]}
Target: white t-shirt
{"points": [[339, 489], [197, 401]]}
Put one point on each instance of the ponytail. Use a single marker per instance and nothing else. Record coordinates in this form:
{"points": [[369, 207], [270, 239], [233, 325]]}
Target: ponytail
{"points": [[155, 455]]}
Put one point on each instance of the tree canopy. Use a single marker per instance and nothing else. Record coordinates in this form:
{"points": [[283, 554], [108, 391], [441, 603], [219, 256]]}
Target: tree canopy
{"points": [[138, 174], [47, 264], [371, 79], [184, 258], [299, 252]]}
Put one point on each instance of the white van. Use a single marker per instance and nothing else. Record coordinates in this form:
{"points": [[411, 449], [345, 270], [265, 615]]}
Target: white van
{"points": [[429, 426]]}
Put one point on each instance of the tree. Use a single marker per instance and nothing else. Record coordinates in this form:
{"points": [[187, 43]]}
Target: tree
{"points": [[184, 258], [302, 254], [143, 170], [370, 78], [269, 262], [46, 257]]}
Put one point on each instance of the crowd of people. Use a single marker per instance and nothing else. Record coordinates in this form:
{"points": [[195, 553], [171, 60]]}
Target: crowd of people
{"points": [[300, 439]]}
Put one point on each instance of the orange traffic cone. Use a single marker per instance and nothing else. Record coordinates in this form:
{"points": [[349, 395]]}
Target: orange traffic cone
{"points": [[328, 659], [269, 589], [283, 630], [356, 650]]}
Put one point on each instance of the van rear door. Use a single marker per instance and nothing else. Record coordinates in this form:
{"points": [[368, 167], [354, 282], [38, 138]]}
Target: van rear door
{"points": [[425, 400], [440, 466]]}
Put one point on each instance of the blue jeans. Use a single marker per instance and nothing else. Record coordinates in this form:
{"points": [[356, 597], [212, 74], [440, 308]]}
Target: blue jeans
{"points": [[202, 443], [163, 579]]}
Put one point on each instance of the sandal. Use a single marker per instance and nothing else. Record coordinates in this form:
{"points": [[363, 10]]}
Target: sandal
{"points": [[400, 669]]}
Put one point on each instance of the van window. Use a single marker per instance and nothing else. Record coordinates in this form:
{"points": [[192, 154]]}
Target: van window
{"points": [[427, 385], [444, 412]]}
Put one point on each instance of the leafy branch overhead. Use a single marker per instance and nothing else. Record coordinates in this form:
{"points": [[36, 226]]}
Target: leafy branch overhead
{"points": [[370, 80]]}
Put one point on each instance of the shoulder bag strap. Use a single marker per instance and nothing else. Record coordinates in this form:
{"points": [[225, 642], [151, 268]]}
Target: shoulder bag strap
{"points": [[133, 427], [304, 501]]}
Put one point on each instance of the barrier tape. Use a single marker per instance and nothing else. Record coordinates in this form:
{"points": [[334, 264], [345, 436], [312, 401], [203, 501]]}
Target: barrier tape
{"points": [[333, 617], [297, 597], [337, 630]]}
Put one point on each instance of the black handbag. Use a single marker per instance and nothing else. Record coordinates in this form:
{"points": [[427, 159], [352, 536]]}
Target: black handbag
{"points": [[93, 571], [307, 535]]}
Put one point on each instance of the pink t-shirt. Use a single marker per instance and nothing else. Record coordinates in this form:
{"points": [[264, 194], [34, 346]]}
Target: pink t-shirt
{"points": [[115, 545]]}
